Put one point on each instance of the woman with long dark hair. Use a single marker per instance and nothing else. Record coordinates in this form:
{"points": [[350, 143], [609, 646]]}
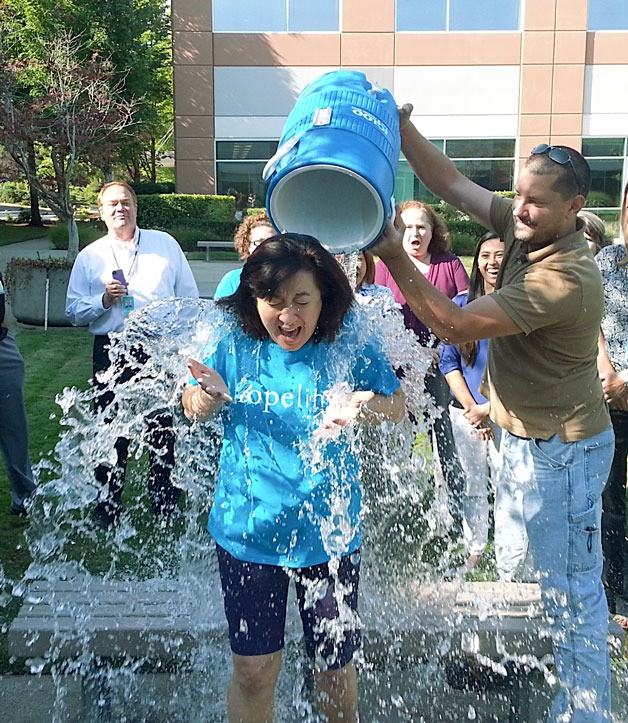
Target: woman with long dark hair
{"points": [[274, 376], [476, 436]]}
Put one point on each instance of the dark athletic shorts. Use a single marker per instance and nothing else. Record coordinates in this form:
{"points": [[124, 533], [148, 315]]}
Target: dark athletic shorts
{"points": [[256, 596]]}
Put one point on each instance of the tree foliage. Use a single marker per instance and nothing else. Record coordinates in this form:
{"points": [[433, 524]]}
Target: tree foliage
{"points": [[133, 36], [73, 73], [69, 109]]}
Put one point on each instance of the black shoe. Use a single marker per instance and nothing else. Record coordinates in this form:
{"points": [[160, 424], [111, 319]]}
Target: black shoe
{"points": [[18, 511], [103, 518]]}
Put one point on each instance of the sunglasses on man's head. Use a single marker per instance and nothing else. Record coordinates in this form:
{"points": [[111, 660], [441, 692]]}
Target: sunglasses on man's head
{"points": [[558, 155]]}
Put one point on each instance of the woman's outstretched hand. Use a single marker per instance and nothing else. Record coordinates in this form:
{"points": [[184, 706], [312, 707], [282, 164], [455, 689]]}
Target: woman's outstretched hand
{"points": [[209, 380], [344, 411], [202, 401]]}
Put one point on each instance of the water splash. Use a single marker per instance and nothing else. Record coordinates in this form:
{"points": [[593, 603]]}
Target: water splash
{"points": [[406, 544]]}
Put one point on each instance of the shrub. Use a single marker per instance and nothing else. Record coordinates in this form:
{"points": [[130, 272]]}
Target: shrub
{"points": [[464, 231], [214, 215], [147, 188], [88, 231], [14, 192]]}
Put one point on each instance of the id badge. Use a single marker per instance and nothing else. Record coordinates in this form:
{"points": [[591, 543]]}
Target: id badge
{"points": [[128, 304]]}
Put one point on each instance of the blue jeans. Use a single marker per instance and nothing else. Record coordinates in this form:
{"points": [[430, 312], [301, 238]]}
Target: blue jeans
{"points": [[560, 486]]}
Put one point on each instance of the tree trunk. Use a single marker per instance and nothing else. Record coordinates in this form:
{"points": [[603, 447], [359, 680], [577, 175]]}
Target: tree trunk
{"points": [[73, 238], [34, 196], [153, 161]]}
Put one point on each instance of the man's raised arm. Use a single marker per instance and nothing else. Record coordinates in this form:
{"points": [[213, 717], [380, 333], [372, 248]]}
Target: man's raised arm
{"points": [[440, 175]]}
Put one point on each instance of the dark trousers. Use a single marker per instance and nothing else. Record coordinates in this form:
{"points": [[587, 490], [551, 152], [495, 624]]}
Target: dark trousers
{"points": [[13, 423], [162, 493], [436, 385], [614, 513]]}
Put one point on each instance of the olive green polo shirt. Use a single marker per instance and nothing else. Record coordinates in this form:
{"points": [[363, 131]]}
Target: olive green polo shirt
{"points": [[544, 381]]}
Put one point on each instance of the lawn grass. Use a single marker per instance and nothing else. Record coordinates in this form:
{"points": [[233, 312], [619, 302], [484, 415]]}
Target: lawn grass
{"points": [[54, 359], [12, 233]]}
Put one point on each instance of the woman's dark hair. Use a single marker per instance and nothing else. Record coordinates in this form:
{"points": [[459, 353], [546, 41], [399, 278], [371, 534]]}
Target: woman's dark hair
{"points": [[273, 263], [469, 350]]}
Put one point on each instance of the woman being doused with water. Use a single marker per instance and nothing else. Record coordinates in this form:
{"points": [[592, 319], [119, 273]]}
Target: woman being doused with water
{"points": [[294, 378]]}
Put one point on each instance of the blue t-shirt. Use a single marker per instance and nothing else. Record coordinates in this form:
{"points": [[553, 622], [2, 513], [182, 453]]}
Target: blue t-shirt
{"points": [[228, 284], [450, 359], [274, 491]]}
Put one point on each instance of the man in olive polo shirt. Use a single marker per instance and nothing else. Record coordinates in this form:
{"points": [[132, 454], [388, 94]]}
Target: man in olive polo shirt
{"points": [[543, 322]]}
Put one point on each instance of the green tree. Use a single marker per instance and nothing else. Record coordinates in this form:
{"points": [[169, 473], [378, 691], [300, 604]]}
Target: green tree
{"points": [[133, 35], [67, 107], [129, 41]]}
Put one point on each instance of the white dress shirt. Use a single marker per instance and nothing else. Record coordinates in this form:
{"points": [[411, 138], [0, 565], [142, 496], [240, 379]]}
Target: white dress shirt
{"points": [[154, 266]]}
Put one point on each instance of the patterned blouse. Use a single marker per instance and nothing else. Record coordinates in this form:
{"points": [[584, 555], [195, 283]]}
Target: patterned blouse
{"points": [[615, 319]]}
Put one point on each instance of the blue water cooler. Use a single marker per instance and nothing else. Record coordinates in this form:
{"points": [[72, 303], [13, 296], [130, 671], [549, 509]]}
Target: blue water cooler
{"points": [[333, 175]]}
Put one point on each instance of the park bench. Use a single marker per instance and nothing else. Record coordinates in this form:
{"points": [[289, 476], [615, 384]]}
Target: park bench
{"points": [[111, 623], [210, 246]]}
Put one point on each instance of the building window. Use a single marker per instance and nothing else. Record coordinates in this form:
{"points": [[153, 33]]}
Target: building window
{"points": [[239, 166], [457, 15], [608, 157], [608, 15], [276, 16], [488, 162]]}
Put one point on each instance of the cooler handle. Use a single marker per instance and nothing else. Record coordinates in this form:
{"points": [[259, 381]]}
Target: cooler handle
{"points": [[279, 154]]}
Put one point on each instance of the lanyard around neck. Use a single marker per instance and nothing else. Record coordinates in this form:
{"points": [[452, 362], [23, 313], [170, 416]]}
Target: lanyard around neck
{"points": [[127, 275]]}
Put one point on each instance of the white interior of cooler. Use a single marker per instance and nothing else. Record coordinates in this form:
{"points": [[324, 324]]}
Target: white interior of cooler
{"points": [[335, 205]]}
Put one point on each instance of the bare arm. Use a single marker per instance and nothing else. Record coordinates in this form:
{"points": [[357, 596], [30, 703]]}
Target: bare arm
{"points": [[382, 408], [483, 318], [614, 384], [440, 175], [459, 388]]}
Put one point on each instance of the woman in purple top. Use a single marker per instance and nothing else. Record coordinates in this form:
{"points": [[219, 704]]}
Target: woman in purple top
{"points": [[426, 241]]}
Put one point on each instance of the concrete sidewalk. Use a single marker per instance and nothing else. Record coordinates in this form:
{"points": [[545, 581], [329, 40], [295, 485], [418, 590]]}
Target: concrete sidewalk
{"points": [[206, 273]]}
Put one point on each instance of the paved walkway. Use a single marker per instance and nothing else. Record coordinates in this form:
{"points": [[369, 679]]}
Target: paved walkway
{"points": [[206, 273]]}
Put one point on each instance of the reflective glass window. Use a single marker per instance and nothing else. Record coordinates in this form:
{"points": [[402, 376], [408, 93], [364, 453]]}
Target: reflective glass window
{"points": [[606, 182], [603, 147], [239, 166], [481, 148], [245, 150], [608, 15], [483, 15], [426, 15], [241, 16], [460, 15], [243, 180], [308, 16], [488, 162]]}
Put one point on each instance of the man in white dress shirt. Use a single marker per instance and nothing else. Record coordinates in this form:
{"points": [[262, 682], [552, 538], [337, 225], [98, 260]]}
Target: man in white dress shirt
{"points": [[125, 270]]}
